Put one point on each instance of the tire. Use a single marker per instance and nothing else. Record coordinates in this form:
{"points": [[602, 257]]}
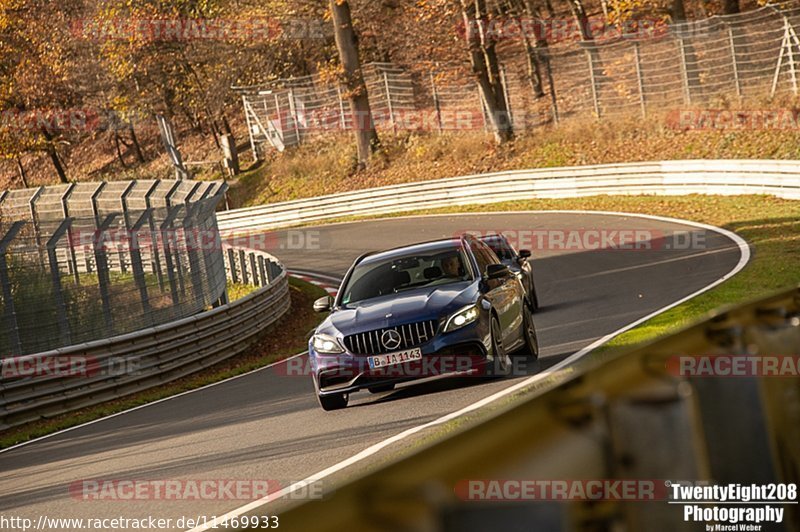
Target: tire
{"points": [[531, 348], [381, 388], [333, 402], [501, 363]]}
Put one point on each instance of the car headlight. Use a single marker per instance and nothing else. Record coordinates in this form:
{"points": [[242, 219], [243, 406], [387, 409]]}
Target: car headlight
{"points": [[326, 345], [465, 316]]}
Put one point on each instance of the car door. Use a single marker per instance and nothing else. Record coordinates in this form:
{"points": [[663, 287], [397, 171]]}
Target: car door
{"points": [[504, 294]]}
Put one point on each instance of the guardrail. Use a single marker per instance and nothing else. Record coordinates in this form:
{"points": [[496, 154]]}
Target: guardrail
{"points": [[643, 416], [111, 368], [723, 177]]}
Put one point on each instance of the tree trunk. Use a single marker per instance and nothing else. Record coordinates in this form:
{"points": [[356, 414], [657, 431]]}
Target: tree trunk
{"points": [[677, 11], [534, 68], [678, 15], [137, 147], [730, 7], [487, 70], [226, 125], [119, 149], [543, 51], [21, 169], [347, 44], [51, 151], [587, 40], [532, 54], [581, 19]]}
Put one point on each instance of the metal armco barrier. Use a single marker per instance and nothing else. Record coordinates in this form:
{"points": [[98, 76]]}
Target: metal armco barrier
{"points": [[129, 363], [635, 416], [724, 177]]}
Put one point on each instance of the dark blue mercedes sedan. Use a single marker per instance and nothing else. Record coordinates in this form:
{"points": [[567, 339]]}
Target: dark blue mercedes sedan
{"points": [[436, 308]]}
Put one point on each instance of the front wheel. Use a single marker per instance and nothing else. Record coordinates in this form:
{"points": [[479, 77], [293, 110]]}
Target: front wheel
{"points": [[333, 402], [501, 363]]}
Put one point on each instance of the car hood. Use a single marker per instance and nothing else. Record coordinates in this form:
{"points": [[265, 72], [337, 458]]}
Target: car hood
{"points": [[405, 307]]}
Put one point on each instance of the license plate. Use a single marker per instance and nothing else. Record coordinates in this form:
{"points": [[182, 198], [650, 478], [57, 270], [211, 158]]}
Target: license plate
{"points": [[391, 359]]}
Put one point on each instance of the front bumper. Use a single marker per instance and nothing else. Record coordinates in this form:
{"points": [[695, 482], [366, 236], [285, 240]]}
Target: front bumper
{"points": [[463, 350]]}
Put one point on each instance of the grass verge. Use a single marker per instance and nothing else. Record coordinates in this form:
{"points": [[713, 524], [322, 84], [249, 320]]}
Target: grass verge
{"points": [[325, 166], [283, 339]]}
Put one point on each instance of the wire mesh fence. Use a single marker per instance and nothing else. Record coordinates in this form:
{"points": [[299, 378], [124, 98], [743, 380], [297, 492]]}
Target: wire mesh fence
{"points": [[84, 261], [746, 57]]}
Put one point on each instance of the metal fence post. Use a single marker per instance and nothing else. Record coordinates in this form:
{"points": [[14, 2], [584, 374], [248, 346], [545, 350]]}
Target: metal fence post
{"points": [[293, 113], [243, 264], [483, 109], [506, 94], [73, 257], [262, 271], [165, 241], [55, 275], [734, 64], [593, 83], [389, 100], [687, 96], [254, 269], [151, 224], [36, 226], [191, 239], [136, 260], [207, 208], [103, 277], [232, 264], [342, 117], [9, 310], [248, 109], [639, 78], [791, 36]]}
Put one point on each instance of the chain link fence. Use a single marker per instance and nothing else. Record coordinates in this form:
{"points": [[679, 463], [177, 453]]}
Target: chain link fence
{"points": [[713, 62], [85, 261]]}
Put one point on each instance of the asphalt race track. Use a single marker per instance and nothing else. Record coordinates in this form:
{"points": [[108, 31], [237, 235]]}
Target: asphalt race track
{"points": [[267, 425]]}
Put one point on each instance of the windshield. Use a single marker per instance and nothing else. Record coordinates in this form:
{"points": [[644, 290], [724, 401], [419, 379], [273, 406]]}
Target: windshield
{"points": [[394, 275]]}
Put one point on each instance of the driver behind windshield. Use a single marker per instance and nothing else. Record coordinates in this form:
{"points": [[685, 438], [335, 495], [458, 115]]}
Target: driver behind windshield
{"points": [[451, 266]]}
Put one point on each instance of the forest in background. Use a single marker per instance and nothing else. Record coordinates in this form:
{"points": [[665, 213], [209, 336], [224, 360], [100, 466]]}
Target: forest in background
{"points": [[81, 82]]}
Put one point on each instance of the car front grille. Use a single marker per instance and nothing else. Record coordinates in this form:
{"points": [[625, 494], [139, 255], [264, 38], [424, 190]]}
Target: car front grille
{"points": [[411, 335]]}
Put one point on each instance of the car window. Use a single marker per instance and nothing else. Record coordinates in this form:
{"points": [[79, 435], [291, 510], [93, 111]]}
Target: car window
{"points": [[375, 279], [483, 255], [491, 256]]}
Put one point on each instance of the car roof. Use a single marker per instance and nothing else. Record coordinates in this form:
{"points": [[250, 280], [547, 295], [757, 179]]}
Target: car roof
{"points": [[494, 237], [422, 248]]}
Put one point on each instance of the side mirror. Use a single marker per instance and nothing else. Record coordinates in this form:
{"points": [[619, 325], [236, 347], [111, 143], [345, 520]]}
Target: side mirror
{"points": [[497, 271], [323, 304], [524, 253]]}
